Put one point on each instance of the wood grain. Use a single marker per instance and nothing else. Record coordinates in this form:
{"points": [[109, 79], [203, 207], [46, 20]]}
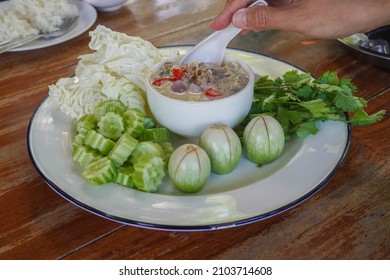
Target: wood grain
{"points": [[347, 219]]}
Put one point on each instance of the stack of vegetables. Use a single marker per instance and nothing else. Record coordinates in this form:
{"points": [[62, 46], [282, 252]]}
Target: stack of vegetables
{"points": [[117, 142], [121, 145]]}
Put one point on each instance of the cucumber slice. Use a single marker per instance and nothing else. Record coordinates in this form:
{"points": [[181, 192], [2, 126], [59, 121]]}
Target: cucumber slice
{"points": [[122, 149], [78, 141], [158, 134], [114, 106], [149, 123], [168, 150], [134, 122], [85, 124], [111, 126], [124, 176], [85, 155], [167, 147], [148, 173], [98, 142], [146, 148], [100, 172]]}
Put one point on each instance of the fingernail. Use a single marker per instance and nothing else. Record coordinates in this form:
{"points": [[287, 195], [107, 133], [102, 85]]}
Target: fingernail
{"points": [[239, 18]]}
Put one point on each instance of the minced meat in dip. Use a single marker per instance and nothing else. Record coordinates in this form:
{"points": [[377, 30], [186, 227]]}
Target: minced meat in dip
{"points": [[200, 81]]}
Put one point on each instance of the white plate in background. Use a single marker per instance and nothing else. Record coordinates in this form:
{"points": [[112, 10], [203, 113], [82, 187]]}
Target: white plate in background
{"points": [[87, 17]]}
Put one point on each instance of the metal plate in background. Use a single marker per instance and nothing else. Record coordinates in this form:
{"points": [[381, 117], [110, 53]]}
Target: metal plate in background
{"points": [[369, 56]]}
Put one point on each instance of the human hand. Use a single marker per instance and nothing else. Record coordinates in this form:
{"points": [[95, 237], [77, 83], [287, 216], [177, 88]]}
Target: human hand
{"points": [[314, 18]]}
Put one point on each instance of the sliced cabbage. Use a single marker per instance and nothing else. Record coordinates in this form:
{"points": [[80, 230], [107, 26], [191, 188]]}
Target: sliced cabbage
{"points": [[127, 56], [114, 72]]}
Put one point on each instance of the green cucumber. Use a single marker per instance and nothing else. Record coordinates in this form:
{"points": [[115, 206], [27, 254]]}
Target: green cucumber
{"points": [[111, 126], [100, 172], [149, 123], [97, 141], [78, 141], [134, 122], [122, 149], [85, 124], [124, 176], [85, 155], [146, 148], [148, 173], [168, 150], [114, 106], [158, 134]]}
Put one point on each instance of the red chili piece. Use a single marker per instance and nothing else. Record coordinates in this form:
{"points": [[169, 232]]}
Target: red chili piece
{"points": [[178, 72], [160, 81], [212, 93]]}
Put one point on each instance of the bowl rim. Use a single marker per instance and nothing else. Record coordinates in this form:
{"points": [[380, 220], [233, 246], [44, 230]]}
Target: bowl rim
{"points": [[103, 5], [246, 67]]}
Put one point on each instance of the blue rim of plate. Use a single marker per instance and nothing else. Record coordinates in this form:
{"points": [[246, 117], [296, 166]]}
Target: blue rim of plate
{"points": [[216, 226]]}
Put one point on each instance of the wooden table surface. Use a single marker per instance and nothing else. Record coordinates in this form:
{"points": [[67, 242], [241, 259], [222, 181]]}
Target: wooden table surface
{"points": [[349, 218]]}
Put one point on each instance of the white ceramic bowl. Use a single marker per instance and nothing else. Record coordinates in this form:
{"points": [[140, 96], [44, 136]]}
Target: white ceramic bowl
{"points": [[191, 118], [106, 5]]}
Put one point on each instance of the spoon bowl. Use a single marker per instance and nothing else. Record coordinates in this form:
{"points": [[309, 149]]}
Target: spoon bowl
{"points": [[212, 48]]}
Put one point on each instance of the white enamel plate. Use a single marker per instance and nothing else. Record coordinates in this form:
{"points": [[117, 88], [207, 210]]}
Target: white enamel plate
{"points": [[246, 195], [87, 17]]}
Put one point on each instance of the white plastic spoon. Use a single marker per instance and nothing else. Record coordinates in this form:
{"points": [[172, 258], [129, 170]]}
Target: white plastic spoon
{"points": [[212, 48]]}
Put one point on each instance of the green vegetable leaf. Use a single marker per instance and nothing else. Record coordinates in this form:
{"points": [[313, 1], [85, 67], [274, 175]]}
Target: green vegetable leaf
{"points": [[298, 101], [328, 78], [317, 107], [268, 104], [348, 83], [361, 118], [305, 92], [305, 129], [347, 103], [264, 80], [295, 79]]}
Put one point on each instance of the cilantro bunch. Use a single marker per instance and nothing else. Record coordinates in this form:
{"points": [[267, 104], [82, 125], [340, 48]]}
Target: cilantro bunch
{"points": [[298, 102]]}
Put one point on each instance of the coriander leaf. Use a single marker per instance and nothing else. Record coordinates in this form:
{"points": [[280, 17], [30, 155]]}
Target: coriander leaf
{"points": [[348, 83], [264, 80], [305, 92], [268, 105], [335, 117], [279, 81], [362, 101], [347, 103], [295, 79], [329, 88], [255, 108], [291, 76], [290, 96], [305, 129], [346, 90], [329, 78], [317, 107], [294, 117], [361, 118], [288, 118]]}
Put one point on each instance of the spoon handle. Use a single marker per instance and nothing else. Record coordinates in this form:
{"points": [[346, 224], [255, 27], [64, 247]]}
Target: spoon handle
{"points": [[231, 31]]}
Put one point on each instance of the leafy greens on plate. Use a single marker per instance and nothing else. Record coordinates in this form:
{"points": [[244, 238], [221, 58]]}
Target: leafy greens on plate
{"points": [[298, 102]]}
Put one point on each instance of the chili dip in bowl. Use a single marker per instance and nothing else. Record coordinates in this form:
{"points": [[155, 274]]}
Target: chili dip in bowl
{"points": [[187, 99]]}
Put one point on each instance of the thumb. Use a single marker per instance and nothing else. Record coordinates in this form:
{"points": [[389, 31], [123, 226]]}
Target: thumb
{"points": [[261, 18]]}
